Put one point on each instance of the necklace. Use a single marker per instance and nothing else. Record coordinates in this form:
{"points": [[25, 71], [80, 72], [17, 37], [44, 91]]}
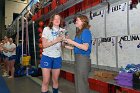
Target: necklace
{"points": [[55, 33]]}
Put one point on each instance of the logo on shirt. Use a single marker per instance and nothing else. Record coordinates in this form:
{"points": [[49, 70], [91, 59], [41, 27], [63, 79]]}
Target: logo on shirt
{"points": [[46, 63], [54, 33]]}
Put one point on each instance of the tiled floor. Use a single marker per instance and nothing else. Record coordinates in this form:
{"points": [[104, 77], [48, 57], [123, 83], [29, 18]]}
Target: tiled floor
{"points": [[26, 85], [3, 86], [66, 86], [22, 85]]}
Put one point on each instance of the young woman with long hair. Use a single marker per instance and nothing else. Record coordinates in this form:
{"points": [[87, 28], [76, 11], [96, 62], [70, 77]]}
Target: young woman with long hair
{"points": [[51, 57], [82, 49]]}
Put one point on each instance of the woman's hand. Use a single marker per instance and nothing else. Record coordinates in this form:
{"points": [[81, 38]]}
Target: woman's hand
{"points": [[47, 43], [1, 49], [5, 51], [69, 47], [67, 36], [59, 39], [69, 41], [83, 46]]}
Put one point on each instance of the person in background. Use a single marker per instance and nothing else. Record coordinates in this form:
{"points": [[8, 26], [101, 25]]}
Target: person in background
{"points": [[6, 55], [82, 49], [12, 57], [1, 49], [51, 60]]}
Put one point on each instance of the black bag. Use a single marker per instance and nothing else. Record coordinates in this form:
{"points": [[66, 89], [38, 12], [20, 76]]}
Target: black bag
{"points": [[136, 80]]}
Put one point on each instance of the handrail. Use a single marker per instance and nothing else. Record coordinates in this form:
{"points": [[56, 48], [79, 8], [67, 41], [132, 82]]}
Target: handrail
{"points": [[22, 12]]}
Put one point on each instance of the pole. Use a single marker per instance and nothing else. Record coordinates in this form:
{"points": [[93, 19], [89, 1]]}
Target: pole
{"points": [[27, 31], [22, 34], [34, 44], [17, 32]]}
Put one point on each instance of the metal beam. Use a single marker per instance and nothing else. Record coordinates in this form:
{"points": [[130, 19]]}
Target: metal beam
{"points": [[60, 8], [34, 44]]}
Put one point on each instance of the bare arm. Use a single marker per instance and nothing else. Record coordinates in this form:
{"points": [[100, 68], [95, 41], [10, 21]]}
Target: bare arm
{"points": [[47, 43], [12, 49], [83, 46], [69, 47], [5, 49]]}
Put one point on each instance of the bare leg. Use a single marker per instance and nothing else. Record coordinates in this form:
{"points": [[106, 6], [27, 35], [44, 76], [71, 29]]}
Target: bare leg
{"points": [[55, 76], [12, 69], [46, 79]]}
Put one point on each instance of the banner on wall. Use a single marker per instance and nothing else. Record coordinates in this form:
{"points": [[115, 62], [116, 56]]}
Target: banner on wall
{"points": [[97, 22], [107, 51], [116, 20], [120, 7], [128, 50], [98, 13]]}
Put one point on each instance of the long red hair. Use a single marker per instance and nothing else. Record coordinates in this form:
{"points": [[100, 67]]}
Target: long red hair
{"points": [[85, 21]]}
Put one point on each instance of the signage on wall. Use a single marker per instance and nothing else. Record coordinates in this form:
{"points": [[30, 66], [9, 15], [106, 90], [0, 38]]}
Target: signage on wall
{"points": [[121, 7], [130, 38], [106, 51], [108, 39], [99, 13]]}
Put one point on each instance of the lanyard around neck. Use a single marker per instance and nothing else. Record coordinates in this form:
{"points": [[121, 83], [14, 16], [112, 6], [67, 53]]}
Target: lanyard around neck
{"points": [[54, 32]]}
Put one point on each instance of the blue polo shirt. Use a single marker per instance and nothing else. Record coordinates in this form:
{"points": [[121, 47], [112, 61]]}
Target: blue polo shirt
{"points": [[85, 37]]}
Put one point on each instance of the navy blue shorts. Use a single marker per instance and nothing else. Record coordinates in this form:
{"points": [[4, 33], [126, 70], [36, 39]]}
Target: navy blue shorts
{"points": [[49, 62], [13, 57], [0, 55], [4, 56]]}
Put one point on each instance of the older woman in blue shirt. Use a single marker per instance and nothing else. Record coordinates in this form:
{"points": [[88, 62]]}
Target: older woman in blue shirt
{"points": [[82, 49]]}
